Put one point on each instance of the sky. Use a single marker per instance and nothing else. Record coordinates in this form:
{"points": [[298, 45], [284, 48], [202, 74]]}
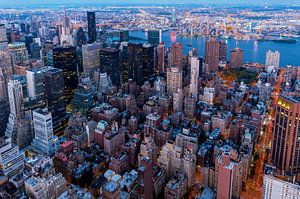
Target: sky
{"points": [[32, 2]]}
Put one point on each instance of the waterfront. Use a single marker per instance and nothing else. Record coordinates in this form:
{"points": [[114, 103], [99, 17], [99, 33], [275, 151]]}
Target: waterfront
{"points": [[254, 51]]}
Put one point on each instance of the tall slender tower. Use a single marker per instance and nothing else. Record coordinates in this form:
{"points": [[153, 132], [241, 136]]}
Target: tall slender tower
{"points": [[195, 64], [91, 18], [212, 54], [286, 127], [176, 55]]}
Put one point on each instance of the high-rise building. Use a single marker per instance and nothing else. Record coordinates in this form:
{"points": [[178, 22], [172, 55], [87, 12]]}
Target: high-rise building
{"points": [[44, 142], [16, 100], [90, 56], [135, 69], [277, 188], [18, 51], [110, 64], [285, 156], [148, 149], [160, 51], [55, 98], [124, 35], [80, 37], [148, 61], [36, 86], [178, 101], [212, 54], [177, 186], [11, 159], [273, 58], [92, 32], [154, 37], [174, 79], [228, 174], [236, 58], [176, 55], [64, 58], [195, 67], [223, 51]]}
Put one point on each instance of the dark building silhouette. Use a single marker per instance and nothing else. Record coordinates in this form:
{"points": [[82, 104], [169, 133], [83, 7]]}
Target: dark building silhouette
{"points": [[55, 98], [65, 58], [110, 63], [80, 40], [124, 35], [223, 51], [148, 61], [135, 69], [236, 58], [154, 37], [91, 18]]}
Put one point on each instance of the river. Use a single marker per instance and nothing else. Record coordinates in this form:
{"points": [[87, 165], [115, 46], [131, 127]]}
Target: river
{"points": [[254, 51]]}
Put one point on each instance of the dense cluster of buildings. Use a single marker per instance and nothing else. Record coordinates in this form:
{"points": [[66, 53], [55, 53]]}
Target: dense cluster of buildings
{"points": [[82, 117]]}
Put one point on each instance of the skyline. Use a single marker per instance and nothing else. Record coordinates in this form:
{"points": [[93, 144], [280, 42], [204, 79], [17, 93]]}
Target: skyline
{"points": [[218, 2]]}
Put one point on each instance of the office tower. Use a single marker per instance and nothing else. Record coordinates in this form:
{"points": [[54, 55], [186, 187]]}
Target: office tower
{"points": [[148, 61], [161, 57], [273, 58], [11, 159], [178, 101], [174, 79], [44, 142], [236, 58], [47, 53], [35, 86], [212, 54], [190, 106], [124, 65], [90, 56], [275, 187], [80, 37], [176, 55], [285, 135], [135, 70], [124, 35], [16, 100], [83, 99], [223, 51], [92, 32], [154, 37], [110, 64], [195, 66], [189, 167], [228, 174], [145, 179], [18, 52], [64, 58], [18, 126], [55, 98]]}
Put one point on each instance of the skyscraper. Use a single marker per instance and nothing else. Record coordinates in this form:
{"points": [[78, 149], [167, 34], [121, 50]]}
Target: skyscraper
{"points": [[161, 57], [35, 86], [236, 58], [92, 32], [90, 56], [148, 61], [11, 159], [176, 55], [16, 101], [174, 80], [223, 51], [273, 58], [64, 58], [195, 67], [212, 54], [154, 37], [55, 98], [135, 70], [285, 156], [124, 35], [44, 142], [110, 64]]}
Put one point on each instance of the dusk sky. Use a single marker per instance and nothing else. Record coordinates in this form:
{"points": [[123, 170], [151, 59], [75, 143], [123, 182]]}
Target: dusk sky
{"points": [[27, 2]]}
